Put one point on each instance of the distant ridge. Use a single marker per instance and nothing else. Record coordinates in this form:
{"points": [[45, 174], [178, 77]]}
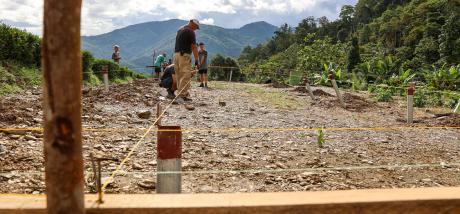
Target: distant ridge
{"points": [[138, 41]]}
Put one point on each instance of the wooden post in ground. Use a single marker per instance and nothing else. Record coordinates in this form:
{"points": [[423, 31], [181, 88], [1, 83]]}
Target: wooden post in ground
{"points": [[307, 86], [159, 110], [410, 104], [61, 60], [169, 163], [105, 73], [457, 108], [337, 91], [231, 74]]}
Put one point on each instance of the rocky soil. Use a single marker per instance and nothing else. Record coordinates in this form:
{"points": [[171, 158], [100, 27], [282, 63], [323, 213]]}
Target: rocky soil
{"points": [[220, 156]]}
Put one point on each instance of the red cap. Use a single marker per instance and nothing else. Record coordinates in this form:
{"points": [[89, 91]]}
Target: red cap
{"points": [[410, 91]]}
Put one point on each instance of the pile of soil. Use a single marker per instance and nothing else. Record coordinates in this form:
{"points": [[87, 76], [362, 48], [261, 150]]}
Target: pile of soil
{"points": [[451, 120], [356, 103], [353, 102], [321, 93], [276, 84], [300, 90]]}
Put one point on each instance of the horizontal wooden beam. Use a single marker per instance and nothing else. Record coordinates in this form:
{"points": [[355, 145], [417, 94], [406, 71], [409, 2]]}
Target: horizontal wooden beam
{"points": [[385, 201]]}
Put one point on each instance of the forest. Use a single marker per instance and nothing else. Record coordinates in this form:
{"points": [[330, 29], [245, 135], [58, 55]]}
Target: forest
{"points": [[376, 45]]}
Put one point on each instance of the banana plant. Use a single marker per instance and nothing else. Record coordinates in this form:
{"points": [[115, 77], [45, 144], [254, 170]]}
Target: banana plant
{"points": [[402, 78], [443, 78]]}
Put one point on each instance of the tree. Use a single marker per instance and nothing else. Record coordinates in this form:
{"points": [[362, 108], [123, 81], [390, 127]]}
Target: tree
{"points": [[353, 55], [305, 27], [449, 40], [222, 73]]}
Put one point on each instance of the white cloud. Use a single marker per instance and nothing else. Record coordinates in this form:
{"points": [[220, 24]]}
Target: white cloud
{"points": [[208, 21], [100, 16]]}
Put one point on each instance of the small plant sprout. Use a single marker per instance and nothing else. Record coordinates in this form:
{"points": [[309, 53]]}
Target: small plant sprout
{"points": [[321, 139]]}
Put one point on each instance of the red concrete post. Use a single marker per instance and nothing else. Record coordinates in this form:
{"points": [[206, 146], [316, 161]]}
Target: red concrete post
{"points": [[410, 104], [169, 163]]}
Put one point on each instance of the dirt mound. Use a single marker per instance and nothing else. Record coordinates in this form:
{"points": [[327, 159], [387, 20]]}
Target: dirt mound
{"points": [[321, 93], [353, 102], [276, 84], [300, 90], [19, 109], [356, 103], [451, 120], [134, 92]]}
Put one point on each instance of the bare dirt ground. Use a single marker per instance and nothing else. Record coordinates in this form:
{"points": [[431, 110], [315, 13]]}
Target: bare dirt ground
{"points": [[262, 157]]}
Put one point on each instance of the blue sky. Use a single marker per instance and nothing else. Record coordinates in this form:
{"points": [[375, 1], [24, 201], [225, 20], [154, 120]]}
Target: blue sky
{"points": [[101, 16]]}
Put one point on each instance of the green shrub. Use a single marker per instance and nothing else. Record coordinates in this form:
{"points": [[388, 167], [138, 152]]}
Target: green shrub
{"points": [[18, 45], [420, 98], [383, 95], [14, 77]]}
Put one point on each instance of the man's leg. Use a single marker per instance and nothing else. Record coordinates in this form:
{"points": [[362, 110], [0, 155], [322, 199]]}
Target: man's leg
{"points": [[201, 79], [184, 74]]}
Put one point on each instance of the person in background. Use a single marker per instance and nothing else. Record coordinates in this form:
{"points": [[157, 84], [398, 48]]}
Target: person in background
{"points": [[185, 45], [203, 68], [158, 64], [116, 54], [169, 81]]}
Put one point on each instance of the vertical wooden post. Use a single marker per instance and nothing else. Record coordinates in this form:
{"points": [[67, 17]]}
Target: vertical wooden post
{"points": [[337, 91], [105, 73], [231, 74], [410, 104], [169, 162], [61, 60], [159, 111], [457, 108], [307, 86]]}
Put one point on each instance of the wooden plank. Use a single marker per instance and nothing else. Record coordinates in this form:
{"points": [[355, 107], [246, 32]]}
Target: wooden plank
{"points": [[388, 201], [61, 59]]}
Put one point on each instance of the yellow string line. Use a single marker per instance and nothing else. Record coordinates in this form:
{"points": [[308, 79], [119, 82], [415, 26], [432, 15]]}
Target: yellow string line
{"points": [[110, 179], [395, 128]]}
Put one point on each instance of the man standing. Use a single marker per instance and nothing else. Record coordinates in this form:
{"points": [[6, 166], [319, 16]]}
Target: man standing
{"points": [[185, 45], [203, 69], [159, 64], [116, 54]]}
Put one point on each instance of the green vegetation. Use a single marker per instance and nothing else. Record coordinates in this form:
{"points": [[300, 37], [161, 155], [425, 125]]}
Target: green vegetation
{"points": [[226, 65], [19, 60], [321, 139], [92, 70], [20, 63], [375, 42], [14, 77], [383, 95]]}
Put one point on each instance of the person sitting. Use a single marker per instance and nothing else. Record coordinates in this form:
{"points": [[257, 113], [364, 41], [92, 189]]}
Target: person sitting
{"points": [[169, 81]]}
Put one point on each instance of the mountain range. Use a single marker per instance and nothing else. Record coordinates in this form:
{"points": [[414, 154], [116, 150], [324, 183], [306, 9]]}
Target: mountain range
{"points": [[139, 42]]}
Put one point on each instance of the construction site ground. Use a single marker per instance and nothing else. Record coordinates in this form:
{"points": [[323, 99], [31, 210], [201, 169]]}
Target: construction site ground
{"points": [[242, 138]]}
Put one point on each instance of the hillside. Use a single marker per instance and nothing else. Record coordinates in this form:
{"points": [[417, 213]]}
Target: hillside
{"points": [[138, 41], [375, 42]]}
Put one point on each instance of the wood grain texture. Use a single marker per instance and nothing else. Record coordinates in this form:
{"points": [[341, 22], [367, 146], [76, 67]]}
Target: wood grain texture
{"points": [[61, 60], [389, 201]]}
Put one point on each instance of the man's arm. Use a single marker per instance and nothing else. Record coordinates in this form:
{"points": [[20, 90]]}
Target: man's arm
{"points": [[195, 52], [174, 86]]}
